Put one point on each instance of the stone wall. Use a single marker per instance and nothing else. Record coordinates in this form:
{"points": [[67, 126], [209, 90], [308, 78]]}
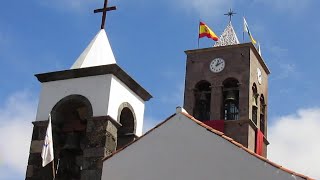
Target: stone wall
{"points": [[237, 130], [100, 141], [241, 63]]}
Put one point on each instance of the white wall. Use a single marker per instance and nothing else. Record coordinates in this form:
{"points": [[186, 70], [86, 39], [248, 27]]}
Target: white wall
{"points": [[119, 94], [104, 100], [94, 88], [180, 149]]}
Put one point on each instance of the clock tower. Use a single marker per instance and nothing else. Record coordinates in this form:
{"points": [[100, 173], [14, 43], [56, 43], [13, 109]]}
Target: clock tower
{"points": [[226, 87]]}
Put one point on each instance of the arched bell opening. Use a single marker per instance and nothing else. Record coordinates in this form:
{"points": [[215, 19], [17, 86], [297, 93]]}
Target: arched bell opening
{"points": [[231, 99], [262, 114], [69, 122], [127, 119], [202, 95], [255, 96]]}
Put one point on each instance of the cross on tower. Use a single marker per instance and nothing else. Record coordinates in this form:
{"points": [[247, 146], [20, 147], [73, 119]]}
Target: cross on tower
{"points": [[104, 12], [230, 14]]}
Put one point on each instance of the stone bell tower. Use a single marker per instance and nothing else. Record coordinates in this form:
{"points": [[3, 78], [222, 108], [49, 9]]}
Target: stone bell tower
{"points": [[96, 108], [226, 87]]}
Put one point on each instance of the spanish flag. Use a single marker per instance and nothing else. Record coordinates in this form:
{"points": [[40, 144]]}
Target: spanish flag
{"points": [[205, 31]]}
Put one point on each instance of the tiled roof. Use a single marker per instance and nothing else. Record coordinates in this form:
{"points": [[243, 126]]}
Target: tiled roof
{"points": [[221, 134]]}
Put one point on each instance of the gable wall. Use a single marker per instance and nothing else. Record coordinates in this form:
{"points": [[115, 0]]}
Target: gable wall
{"points": [[180, 149]]}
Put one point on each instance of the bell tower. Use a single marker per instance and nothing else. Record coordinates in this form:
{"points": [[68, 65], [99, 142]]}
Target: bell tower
{"points": [[95, 107], [226, 87]]}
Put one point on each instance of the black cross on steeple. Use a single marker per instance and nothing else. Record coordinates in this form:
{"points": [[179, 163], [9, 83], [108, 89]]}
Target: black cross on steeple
{"points": [[230, 14], [104, 12]]}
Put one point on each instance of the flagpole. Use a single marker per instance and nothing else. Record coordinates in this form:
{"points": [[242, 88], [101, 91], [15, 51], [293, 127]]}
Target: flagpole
{"points": [[243, 37], [53, 171], [58, 164], [198, 32], [243, 30]]}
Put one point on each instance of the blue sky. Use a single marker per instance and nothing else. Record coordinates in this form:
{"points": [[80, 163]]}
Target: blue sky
{"points": [[149, 39]]}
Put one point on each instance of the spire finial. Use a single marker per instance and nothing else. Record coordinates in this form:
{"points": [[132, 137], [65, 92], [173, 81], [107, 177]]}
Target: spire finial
{"points": [[104, 12], [230, 14]]}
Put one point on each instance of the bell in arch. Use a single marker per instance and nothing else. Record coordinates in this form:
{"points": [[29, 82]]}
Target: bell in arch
{"points": [[72, 142], [203, 96], [255, 100], [231, 96]]}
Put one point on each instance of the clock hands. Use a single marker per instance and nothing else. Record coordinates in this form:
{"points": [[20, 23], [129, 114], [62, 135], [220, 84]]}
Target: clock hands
{"points": [[217, 65]]}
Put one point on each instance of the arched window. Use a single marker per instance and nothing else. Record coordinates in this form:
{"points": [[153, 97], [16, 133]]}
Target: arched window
{"points": [[262, 114], [126, 133], [202, 93], [231, 99], [254, 103], [69, 121]]}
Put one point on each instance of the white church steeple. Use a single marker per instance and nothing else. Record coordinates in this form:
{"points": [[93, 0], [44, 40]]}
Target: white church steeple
{"points": [[97, 53], [95, 107]]}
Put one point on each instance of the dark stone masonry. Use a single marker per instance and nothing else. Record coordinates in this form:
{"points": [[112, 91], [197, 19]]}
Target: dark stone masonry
{"points": [[99, 142]]}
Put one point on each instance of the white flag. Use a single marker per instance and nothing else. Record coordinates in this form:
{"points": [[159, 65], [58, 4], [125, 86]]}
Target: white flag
{"points": [[245, 26], [259, 49], [246, 29], [47, 149]]}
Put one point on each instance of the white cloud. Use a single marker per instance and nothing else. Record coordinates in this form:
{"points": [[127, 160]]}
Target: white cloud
{"points": [[16, 115], [292, 6], [294, 142], [205, 8], [284, 68]]}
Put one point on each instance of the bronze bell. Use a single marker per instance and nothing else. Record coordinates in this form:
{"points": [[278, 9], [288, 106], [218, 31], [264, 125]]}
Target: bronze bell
{"points": [[231, 96], [203, 96], [72, 142], [255, 100]]}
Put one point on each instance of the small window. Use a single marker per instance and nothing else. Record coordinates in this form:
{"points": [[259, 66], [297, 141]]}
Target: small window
{"points": [[231, 99], [254, 114], [254, 104], [262, 114]]}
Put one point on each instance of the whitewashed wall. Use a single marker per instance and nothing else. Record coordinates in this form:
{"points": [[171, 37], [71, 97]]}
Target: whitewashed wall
{"points": [[182, 150], [120, 93], [104, 100], [94, 88]]}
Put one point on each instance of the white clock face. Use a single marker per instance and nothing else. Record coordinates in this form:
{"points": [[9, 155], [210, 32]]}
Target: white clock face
{"points": [[217, 65], [259, 76]]}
